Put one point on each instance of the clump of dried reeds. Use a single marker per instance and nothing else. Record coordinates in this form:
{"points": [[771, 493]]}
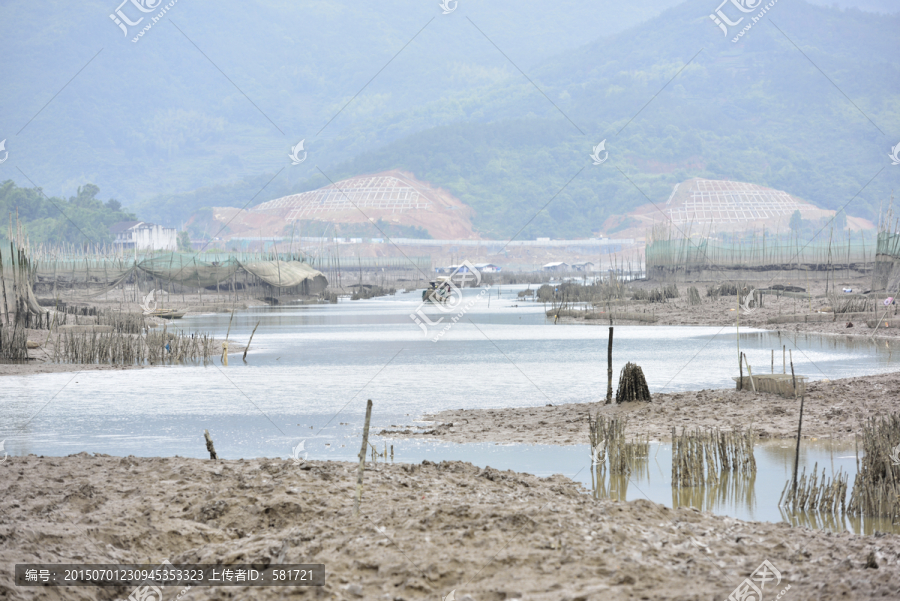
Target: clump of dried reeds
{"points": [[13, 340], [699, 457], [852, 304], [876, 489], [123, 321], [118, 348], [810, 495], [632, 385], [693, 296], [608, 443], [727, 289]]}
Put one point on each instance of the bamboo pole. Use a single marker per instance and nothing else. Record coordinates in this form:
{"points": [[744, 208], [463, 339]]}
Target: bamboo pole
{"points": [[244, 358], [750, 373], [362, 459], [799, 427], [609, 369]]}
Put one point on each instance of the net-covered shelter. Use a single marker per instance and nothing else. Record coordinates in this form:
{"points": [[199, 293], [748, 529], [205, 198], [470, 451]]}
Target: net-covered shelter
{"points": [[189, 271]]}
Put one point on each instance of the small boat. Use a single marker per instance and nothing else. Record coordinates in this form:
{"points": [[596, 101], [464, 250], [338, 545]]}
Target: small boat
{"points": [[437, 292], [166, 314]]}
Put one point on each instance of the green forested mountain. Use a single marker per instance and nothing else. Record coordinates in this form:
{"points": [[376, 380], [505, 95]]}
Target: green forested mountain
{"points": [[80, 219], [161, 116], [163, 125]]}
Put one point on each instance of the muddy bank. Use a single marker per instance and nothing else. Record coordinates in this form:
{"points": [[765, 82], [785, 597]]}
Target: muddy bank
{"points": [[833, 409], [423, 531], [722, 312]]}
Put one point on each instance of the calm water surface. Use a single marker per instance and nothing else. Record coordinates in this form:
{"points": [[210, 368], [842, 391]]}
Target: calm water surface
{"points": [[312, 367]]}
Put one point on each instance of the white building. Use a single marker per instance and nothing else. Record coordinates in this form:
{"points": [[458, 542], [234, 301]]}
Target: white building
{"points": [[556, 266], [140, 235], [488, 268]]}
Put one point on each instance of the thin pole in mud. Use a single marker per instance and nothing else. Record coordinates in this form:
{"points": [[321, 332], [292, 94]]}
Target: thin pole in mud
{"points": [[783, 359], [799, 427], [249, 341], [209, 445], [609, 367], [362, 459], [750, 373], [230, 319], [773, 361], [741, 367], [738, 335]]}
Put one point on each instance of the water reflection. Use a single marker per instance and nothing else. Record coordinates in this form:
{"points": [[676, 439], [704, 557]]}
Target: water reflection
{"points": [[731, 490], [750, 496]]}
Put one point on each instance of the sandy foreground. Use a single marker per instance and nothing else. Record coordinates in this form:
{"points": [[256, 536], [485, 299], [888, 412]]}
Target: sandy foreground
{"points": [[423, 531], [833, 409]]}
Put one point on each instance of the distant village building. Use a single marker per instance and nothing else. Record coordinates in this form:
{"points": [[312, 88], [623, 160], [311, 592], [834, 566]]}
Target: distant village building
{"points": [[488, 268], [558, 266], [141, 235], [480, 267], [586, 267]]}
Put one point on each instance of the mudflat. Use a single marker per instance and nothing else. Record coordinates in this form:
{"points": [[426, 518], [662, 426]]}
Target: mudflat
{"points": [[423, 531], [833, 409]]}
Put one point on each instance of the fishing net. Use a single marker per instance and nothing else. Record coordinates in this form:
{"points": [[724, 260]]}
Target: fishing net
{"points": [[287, 274], [179, 268], [188, 270], [887, 262]]}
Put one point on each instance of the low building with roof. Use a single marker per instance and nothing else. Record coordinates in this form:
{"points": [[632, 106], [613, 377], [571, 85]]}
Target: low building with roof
{"points": [[142, 235]]}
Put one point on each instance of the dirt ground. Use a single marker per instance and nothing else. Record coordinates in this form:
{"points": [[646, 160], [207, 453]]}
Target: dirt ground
{"points": [[832, 409], [423, 531]]}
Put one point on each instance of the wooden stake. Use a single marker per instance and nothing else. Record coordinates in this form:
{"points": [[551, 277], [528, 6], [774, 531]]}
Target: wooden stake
{"points": [[799, 428], [609, 370], [750, 373], [209, 445], [249, 341], [362, 459]]}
